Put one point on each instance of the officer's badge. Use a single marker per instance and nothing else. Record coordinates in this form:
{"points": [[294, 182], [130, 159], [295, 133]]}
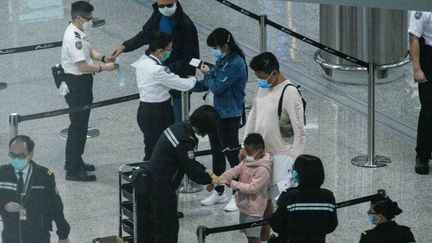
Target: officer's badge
{"points": [[418, 15], [191, 154], [167, 70], [78, 45]]}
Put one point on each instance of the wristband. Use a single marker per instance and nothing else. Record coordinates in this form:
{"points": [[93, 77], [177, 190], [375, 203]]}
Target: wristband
{"points": [[103, 59]]}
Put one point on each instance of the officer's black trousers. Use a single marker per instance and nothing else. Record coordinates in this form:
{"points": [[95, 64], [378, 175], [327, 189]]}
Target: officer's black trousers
{"points": [[80, 94], [424, 128], [35, 237], [157, 216], [153, 119], [225, 136]]}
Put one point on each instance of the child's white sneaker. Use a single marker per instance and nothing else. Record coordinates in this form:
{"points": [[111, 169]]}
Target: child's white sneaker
{"points": [[214, 198], [231, 206]]}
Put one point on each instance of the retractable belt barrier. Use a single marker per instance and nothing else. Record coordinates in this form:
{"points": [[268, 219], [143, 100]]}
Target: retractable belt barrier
{"points": [[295, 34], [203, 232], [36, 47]]}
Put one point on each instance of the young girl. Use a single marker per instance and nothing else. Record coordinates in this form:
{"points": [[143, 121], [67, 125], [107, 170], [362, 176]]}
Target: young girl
{"points": [[251, 188]]}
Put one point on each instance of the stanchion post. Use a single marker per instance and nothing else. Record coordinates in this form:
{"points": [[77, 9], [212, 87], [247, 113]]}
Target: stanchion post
{"points": [[371, 160], [13, 123], [201, 234], [188, 185], [263, 33]]}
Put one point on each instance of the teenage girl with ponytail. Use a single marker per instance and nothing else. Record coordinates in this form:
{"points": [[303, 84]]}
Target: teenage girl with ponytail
{"points": [[227, 81]]}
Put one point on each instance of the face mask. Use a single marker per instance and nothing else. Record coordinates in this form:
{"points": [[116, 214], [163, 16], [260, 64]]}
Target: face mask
{"points": [[217, 54], [249, 158], [19, 164], [87, 26], [294, 176], [166, 56], [263, 83], [165, 11], [371, 218]]}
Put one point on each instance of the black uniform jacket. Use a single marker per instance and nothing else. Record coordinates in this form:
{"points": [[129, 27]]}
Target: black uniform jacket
{"points": [[185, 41], [173, 156], [389, 232], [305, 215], [42, 203]]}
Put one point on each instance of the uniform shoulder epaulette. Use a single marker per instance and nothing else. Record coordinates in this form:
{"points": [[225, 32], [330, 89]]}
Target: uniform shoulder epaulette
{"points": [[2, 167], [167, 70], [77, 35], [49, 172], [364, 233]]}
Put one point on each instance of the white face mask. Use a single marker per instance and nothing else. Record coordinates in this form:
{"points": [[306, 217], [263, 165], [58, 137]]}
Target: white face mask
{"points": [[87, 26], [249, 158], [165, 11]]}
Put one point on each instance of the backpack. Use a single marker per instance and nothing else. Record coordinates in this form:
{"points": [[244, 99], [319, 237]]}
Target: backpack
{"points": [[281, 101]]}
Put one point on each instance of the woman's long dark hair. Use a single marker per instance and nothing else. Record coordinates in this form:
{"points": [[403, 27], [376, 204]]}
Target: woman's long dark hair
{"points": [[220, 37]]}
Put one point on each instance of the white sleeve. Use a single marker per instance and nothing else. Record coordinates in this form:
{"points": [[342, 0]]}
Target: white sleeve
{"points": [[293, 105], [173, 81], [416, 23]]}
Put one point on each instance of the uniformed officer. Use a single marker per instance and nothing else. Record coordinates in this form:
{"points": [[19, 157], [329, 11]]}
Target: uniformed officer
{"points": [[381, 214], [154, 83], [172, 158], [77, 61], [168, 16], [420, 38], [29, 200]]}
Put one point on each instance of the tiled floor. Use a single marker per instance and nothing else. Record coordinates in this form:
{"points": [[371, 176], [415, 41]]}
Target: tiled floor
{"points": [[337, 125]]}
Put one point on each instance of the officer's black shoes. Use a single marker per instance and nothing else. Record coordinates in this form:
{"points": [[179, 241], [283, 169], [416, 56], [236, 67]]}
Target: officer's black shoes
{"points": [[180, 215], [422, 166], [98, 22], [85, 167], [88, 167], [79, 176]]}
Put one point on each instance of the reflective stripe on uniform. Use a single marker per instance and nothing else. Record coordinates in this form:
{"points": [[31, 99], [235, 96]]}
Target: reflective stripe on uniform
{"points": [[8, 186], [171, 137], [311, 206]]}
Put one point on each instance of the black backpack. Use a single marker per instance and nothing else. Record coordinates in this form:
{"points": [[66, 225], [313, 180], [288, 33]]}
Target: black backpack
{"points": [[281, 101]]}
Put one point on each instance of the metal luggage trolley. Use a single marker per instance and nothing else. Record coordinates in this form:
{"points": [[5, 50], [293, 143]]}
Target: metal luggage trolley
{"points": [[127, 205]]}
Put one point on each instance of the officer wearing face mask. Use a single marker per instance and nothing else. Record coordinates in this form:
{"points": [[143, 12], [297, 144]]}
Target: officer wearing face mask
{"points": [[168, 16], [77, 60], [154, 83], [381, 214], [29, 200]]}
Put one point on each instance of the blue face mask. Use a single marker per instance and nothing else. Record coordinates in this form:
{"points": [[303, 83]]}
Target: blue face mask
{"points": [[294, 177], [167, 55], [217, 54], [372, 220], [263, 83], [19, 164]]}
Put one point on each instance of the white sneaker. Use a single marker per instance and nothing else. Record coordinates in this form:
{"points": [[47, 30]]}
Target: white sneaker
{"points": [[231, 206], [214, 198]]}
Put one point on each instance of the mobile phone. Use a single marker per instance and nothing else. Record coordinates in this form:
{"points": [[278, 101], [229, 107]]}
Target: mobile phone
{"points": [[196, 63]]}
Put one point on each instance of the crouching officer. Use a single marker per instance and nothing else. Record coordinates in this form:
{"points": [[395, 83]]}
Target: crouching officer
{"points": [[29, 200], [156, 184]]}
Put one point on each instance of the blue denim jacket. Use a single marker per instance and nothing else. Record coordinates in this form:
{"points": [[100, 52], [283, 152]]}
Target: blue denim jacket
{"points": [[227, 81]]}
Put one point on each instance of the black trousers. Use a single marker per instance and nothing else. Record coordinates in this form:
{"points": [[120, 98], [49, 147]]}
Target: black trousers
{"points": [[424, 128], [153, 119], [80, 94], [40, 237], [225, 136], [157, 216]]}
